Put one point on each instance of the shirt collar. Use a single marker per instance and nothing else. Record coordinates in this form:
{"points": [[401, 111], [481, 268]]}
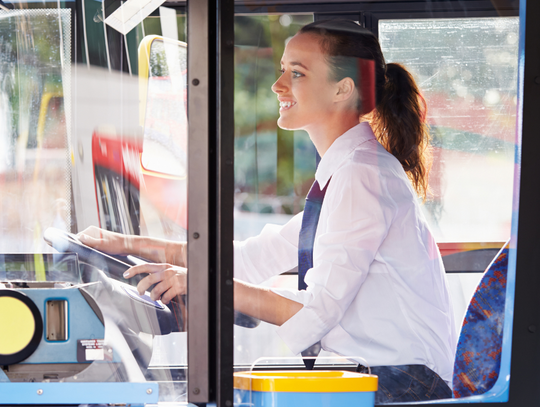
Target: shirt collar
{"points": [[340, 150]]}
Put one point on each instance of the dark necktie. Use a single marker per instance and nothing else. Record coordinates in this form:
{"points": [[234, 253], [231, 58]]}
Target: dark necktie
{"points": [[310, 219]]}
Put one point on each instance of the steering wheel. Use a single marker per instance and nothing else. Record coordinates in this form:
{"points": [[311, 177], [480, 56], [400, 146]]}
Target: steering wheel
{"points": [[115, 266], [137, 312]]}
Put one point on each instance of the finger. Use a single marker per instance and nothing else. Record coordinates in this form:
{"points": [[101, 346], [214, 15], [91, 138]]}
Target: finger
{"points": [[178, 285], [93, 231], [93, 237], [172, 293], [149, 268], [148, 282], [89, 240], [159, 289]]}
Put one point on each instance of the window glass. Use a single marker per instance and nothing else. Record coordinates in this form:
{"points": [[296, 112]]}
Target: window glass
{"points": [[73, 144], [467, 71], [104, 143], [165, 136], [35, 59], [274, 168], [93, 46]]}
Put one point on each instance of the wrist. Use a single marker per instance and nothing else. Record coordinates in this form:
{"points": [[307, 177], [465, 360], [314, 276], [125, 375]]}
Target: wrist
{"points": [[176, 253], [148, 248]]}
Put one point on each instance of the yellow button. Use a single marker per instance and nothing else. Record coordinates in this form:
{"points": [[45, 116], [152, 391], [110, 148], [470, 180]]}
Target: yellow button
{"points": [[17, 325]]}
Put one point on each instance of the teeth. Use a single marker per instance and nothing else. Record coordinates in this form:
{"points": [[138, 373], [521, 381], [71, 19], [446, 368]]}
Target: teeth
{"points": [[286, 105]]}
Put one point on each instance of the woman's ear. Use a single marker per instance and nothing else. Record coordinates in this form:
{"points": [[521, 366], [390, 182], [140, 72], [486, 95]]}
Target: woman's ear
{"points": [[345, 89]]}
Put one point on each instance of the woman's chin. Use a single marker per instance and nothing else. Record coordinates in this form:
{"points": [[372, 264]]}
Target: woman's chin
{"points": [[286, 124]]}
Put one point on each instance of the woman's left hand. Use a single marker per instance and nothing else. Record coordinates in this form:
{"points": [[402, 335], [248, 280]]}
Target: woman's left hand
{"points": [[170, 280]]}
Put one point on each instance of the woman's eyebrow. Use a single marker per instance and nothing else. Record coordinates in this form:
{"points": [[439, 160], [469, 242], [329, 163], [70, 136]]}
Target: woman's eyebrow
{"points": [[300, 64]]}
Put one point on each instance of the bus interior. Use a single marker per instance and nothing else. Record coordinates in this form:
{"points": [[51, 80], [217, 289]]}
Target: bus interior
{"points": [[145, 118]]}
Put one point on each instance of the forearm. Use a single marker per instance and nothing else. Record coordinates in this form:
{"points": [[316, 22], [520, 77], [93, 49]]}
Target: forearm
{"points": [[151, 248], [262, 303], [158, 250]]}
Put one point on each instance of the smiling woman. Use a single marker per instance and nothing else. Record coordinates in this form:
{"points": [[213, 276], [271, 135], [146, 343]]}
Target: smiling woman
{"points": [[371, 280], [370, 277]]}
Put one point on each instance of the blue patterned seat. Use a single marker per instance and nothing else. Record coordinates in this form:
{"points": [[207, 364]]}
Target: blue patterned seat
{"points": [[478, 355]]}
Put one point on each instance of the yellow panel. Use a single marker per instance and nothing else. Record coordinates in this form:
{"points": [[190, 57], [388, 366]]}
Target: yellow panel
{"points": [[144, 69], [39, 263], [306, 381], [16, 324]]}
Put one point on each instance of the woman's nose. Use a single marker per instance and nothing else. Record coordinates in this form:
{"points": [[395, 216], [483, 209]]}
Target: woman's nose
{"points": [[279, 86]]}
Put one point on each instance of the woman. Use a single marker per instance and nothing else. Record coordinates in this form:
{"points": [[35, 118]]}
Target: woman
{"points": [[375, 284]]}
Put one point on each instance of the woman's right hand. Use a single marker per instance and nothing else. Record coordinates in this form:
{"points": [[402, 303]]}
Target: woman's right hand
{"points": [[107, 241], [154, 249]]}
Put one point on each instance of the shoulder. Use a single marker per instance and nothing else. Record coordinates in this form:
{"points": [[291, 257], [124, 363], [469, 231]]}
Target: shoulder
{"points": [[371, 170], [370, 159], [372, 153]]}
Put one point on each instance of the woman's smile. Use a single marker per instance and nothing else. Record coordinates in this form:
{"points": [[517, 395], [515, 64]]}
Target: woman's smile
{"points": [[285, 105]]}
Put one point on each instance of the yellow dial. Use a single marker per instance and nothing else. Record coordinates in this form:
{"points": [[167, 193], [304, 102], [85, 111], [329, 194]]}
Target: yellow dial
{"points": [[17, 325]]}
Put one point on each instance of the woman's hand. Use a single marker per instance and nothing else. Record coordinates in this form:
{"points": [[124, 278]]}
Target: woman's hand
{"points": [[106, 241], [170, 280], [151, 248]]}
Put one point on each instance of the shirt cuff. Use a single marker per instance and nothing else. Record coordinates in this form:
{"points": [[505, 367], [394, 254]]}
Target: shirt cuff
{"points": [[305, 327]]}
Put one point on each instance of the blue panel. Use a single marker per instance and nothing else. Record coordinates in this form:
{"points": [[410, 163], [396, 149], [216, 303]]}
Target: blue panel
{"points": [[290, 399], [82, 324], [78, 393]]}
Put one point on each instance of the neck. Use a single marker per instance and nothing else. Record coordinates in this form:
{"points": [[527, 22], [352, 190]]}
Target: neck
{"points": [[323, 135]]}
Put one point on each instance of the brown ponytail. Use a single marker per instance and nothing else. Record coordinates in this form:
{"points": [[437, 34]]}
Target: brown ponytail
{"points": [[400, 126], [399, 118]]}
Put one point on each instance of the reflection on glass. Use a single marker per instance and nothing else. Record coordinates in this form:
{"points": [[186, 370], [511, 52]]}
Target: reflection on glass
{"points": [[34, 160], [370, 278], [71, 140], [165, 141], [164, 150], [274, 168], [467, 71]]}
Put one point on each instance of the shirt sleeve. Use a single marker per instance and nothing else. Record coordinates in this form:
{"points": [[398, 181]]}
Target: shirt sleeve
{"points": [[272, 252], [356, 215]]}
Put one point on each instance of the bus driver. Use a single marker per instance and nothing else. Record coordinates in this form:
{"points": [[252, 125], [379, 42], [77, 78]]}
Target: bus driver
{"points": [[371, 279]]}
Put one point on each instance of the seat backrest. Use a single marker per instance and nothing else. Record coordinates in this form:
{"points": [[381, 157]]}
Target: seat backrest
{"points": [[478, 354]]}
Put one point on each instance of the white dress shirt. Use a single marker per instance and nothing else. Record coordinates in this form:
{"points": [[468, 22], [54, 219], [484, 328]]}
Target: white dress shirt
{"points": [[377, 288]]}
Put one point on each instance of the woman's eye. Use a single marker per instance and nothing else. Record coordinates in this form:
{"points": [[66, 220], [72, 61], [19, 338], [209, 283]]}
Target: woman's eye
{"points": [[295, 74]]}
